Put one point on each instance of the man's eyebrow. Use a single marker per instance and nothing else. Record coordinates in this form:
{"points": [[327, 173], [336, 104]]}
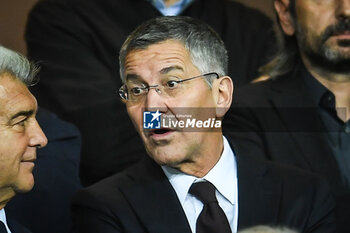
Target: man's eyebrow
{"points": [[22, 113], [170, 68], [130, 77]]}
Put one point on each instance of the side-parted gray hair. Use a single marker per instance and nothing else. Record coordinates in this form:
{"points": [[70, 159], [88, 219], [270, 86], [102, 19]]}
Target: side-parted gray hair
{"points": [[287, 54], [17, 66], [267, 229], [207, 50]]}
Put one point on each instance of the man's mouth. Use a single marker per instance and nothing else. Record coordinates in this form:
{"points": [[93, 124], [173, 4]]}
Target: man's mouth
{"points": [[160, 132], [342, 33], [345, 35], [343, 38], [340, 30], [30, 160]]}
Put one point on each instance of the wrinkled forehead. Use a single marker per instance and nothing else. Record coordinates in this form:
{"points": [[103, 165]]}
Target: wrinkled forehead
{"points": [[15, 96], [7, 81], [156, 58]]}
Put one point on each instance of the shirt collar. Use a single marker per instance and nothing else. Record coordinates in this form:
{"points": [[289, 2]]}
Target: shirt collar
{"points": [[319, 93], [3, 218], [223, 176]]}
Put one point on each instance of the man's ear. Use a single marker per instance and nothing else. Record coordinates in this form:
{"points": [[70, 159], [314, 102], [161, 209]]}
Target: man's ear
{"points": [[224, 87], [285, 18]]}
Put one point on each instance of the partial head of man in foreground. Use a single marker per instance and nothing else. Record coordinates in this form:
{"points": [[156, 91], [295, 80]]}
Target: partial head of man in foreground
{"points": [[20, 134], [267, 229]]}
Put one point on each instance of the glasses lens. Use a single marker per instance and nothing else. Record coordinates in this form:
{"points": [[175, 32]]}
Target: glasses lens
{"points": [[123, 92]]}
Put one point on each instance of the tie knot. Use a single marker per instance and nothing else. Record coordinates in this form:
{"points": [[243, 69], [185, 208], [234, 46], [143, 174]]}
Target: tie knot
{"points": [[204, 191]]}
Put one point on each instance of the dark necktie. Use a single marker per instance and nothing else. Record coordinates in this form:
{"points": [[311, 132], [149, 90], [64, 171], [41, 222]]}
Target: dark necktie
{"points": [[2, 227], [212, 218]]}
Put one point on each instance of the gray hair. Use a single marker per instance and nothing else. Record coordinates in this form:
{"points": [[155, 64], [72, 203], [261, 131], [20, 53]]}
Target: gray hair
{"points": [[207, 50], [287, 54], [17, 66], [267, 229]]}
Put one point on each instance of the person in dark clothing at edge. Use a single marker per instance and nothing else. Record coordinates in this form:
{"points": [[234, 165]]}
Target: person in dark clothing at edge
{"points": [[77, 44], [301, 115]]}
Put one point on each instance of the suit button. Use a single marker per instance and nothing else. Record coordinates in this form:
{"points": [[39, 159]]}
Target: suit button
{"points": [[347, 128]]}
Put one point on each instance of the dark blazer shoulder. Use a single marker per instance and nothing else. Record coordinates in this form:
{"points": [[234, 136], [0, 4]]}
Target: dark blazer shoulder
{"points": [[281, 171], [109, 188], [295, 198], [135, 200], [261, 91], [16, 227], [108, 193], [102, 206], [251, 91]]}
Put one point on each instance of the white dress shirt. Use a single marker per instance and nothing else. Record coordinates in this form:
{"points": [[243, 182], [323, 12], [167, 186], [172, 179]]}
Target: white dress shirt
{"points": [[223, 176], [3, 219]]}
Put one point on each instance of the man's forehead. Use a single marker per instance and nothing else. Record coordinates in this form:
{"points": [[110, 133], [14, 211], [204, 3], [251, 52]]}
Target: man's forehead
{"points": [[10, 85], [3, 92], [160, 52], [162, 48], [15, 96], [6, 83], [161, 71]]}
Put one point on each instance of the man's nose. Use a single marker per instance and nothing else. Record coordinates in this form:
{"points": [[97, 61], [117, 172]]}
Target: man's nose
{"points": [[155, 99], [37, 136], [343, 9]]}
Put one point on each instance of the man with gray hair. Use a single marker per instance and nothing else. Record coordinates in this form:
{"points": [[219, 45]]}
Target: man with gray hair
{"points": [[76, 42], [20, 134], [174, 71], [301, 116]]}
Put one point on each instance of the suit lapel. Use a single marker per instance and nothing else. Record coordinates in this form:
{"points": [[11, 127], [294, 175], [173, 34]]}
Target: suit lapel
{"points": [[304, 124], [154, 200], [257, 196]]}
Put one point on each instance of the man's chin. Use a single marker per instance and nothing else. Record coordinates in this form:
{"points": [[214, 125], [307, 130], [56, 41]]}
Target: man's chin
{"points": [[24, 185], [165, 159], [334, 59]]}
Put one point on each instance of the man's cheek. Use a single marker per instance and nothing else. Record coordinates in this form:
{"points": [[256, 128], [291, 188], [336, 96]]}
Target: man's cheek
{"points": [[137, 122]]}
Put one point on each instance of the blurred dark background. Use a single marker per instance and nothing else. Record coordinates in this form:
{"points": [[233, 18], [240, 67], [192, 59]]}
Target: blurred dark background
{"points": [[13, 16]]}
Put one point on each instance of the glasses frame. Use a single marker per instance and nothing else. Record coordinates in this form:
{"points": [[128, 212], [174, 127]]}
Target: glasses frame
{"points": [[123, 89]]}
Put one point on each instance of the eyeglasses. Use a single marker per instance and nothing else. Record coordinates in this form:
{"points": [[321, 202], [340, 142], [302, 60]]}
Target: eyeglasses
{"points": [[169, 87]]}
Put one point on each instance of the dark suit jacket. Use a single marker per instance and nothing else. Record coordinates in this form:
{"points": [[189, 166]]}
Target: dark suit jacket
{"points": [[278, 120], [77, 44], [46, 208], [141, 200], [15, 227]]}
